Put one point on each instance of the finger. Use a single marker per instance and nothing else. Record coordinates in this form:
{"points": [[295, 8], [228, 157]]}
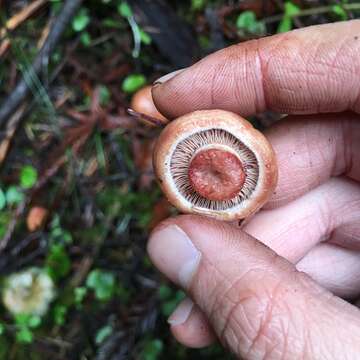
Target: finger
{"points": [[311, 149], [335, 268], [256, 302], [294, 229], [312, 70], [190, 326]]}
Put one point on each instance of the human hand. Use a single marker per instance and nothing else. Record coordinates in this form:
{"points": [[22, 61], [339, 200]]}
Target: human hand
{"points": [[258, 300]]}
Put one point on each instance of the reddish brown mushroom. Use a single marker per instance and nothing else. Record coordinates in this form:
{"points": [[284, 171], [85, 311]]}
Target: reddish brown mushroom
{"points": [[213, 162], [142, 102]]}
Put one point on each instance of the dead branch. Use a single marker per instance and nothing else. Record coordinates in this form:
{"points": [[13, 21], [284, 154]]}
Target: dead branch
{"points": [[22, 90]]}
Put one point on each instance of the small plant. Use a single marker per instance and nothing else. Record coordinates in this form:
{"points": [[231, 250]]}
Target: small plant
{"points": [[247, 21], [133, 83], [58, 234], [24, 324], [152, 349], [79, 295], [103, 333], [290, 11], [198, 5], [169, 299], [81, 20], [58, 263], [103, 283], [28, 177], [139, 35]]}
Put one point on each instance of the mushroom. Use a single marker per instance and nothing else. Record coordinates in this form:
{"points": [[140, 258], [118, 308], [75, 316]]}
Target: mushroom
{"points": [[143, 104], [36, 218], [214, 163]]}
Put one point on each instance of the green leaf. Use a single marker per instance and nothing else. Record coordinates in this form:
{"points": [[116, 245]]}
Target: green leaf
{"points": [[247, 21], [34, 321], [59, 314], [133, 82], [27, 320], [169, 306], [58, 234], [80, 294], [102, 334], [28, 176], [81, 20], [123, 294], [2, 200], [85, 39], [124, 9], [290, 9], [2, 329], [144, 37], [58, 262], [152, 350], [24, 335], [284, 25], [165, 292], [103, 284], [339, 11], [14, 195], [197, 5], [104, 94]]}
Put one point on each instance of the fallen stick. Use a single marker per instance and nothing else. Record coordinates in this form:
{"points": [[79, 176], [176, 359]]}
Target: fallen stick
{"points": [[22, 90], [16, 21]]}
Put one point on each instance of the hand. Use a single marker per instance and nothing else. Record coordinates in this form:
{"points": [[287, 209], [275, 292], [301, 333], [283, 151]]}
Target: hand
{"points": [[280, 300]]}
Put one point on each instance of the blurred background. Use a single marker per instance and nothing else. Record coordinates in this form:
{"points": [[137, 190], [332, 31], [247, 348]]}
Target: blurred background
{"points": [[77, 192]]}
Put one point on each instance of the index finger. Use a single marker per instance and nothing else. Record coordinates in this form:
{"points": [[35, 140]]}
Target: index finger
{"points": [[311, 70]]}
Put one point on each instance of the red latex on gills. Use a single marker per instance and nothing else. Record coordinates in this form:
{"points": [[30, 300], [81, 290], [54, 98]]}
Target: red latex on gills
{"points": [[216, 174]]}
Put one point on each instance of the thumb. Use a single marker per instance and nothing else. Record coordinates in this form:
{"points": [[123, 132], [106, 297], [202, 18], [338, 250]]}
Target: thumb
{"points": [[257, 303]]}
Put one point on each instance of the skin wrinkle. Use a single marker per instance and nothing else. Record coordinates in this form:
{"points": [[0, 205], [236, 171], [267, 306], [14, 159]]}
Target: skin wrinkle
{"points": [[289, 90], [265, 322], [329, 129], [261, 100], [212, 88], [326, 220], [216, 305], [238, 90], [286, 331], [226, 298], [272, 323], [333, 71], [347, 161], [235, 304], [356, 105]]}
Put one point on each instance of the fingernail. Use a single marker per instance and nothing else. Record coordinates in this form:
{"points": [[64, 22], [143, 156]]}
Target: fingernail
{"points": [[167, 77], [181, 313], [173, 253]]}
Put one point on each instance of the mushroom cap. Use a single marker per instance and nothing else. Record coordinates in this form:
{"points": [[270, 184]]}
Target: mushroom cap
{"points": [[142, 102], [197, 121]]}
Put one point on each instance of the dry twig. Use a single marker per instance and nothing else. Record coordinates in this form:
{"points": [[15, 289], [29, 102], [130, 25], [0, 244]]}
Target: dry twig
{"points": [[17, 20], [41, 61]]}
